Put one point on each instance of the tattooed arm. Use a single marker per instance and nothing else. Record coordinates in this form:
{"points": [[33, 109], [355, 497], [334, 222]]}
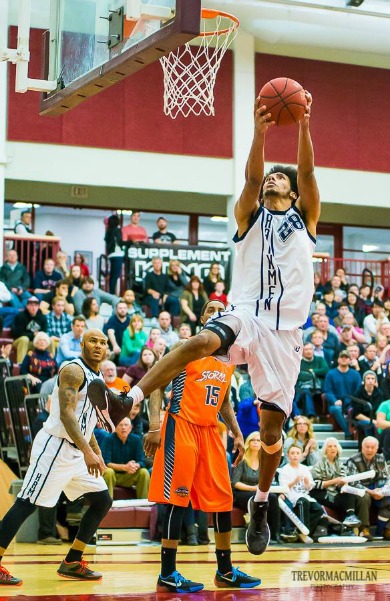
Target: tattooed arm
{"points": [[70, 380], [230, 420], [153, 438]]}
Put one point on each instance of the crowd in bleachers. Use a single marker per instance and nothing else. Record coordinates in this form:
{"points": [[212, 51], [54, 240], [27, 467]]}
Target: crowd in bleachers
{"points": [[344, 377]]}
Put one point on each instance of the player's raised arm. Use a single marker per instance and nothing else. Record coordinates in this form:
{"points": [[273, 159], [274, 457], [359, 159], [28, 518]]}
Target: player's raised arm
{"points": [[309, 199], [248, 202]]}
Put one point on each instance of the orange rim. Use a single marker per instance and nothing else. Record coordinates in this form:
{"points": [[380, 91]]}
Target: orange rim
{"points": [[210, 13]]}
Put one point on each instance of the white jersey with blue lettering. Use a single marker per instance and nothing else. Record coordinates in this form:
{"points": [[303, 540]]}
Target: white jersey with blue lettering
{"points": [[273, 269], [85, 412]]}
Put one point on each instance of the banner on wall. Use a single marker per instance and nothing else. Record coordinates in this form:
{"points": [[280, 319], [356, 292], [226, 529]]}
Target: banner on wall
{"points": [[194, 260]]}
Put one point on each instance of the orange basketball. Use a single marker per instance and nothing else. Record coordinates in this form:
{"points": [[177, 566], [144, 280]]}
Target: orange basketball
{"points": [[285, 100]]}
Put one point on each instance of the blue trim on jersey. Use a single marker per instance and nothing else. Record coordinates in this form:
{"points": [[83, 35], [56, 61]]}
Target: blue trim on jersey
{"points": [[307, 231], [279, 299], [177, 392], [252, 221], [169, 455], [47, 475], [262, 256], [36, 465]]}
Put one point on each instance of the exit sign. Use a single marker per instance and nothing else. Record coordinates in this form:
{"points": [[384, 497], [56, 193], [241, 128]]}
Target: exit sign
{"points": [[79, 192]]}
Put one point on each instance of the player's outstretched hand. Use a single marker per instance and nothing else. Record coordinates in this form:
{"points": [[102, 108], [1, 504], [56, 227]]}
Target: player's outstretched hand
{"points": [[306, 115], [262, 118], [95, 463], [152, 442], [239, 449]]}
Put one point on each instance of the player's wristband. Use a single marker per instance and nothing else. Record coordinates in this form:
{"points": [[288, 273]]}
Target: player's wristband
{"points": [[153, 431]]}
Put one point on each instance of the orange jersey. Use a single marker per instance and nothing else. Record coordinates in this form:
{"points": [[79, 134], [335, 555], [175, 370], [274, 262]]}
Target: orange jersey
{"points": [[199, 390]]}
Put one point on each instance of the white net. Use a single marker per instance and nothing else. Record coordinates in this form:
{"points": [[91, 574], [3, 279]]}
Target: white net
{"points": [[190, 71]]}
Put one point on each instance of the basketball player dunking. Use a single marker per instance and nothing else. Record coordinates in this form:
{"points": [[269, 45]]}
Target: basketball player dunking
{"points": [[271, 292], [66, 457]]}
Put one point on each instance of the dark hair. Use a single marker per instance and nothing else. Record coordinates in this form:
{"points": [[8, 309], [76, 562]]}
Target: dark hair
{"points": [[291, 173], [61, 283], [140, 363], [86, 280], [113, 220], [81, 257], [194, 278], [78, 318], [378, 303], [343, 304], [86, 308]]}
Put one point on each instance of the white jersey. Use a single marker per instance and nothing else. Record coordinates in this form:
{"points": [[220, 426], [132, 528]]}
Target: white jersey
{"points": [[85, 412], [273, 270]]}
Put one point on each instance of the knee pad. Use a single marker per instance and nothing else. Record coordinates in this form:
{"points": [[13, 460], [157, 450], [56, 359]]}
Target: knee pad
{"points": [[172, 522], [222, 521], [271, 449]]}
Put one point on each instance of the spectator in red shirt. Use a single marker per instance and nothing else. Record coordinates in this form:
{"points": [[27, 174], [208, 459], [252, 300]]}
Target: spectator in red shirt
{"points": [[219, 293], [134, 232], [79, 260]]}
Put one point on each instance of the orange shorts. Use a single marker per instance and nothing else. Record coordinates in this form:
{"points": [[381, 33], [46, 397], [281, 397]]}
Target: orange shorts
{"points": [[191, 465]]}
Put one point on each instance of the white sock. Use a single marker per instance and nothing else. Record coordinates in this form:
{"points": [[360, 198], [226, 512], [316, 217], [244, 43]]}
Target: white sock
{"points": [[261, 497], [137, 395]]}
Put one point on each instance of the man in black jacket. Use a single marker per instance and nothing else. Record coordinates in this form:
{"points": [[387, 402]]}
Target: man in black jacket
{"points": [[362, 413], [26, 324]]}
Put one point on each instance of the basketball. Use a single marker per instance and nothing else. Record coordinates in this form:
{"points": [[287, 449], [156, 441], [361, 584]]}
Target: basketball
{"points": [[285, 100]]}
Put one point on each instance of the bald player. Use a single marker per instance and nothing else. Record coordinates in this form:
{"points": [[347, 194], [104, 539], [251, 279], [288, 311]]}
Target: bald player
{"points": [[66, 457]]}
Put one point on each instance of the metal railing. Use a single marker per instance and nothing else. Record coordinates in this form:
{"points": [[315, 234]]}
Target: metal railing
{"points": [[358, 271], [32, 250]]}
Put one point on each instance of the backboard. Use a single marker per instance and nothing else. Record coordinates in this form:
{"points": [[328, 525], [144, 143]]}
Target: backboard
{"points": [[94, 44]]}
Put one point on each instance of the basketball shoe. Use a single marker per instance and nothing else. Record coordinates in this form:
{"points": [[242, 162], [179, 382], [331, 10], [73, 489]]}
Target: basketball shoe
{"points": [[77, 570], [110, 408], [235, 579], [6, 578], [258, 534], [176, 583]]}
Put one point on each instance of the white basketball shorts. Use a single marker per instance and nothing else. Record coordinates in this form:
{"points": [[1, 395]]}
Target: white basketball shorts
{"points": [[273, 356], [57, 466]]}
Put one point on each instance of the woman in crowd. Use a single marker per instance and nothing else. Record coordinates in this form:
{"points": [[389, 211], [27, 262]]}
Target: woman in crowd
{"points": [[134, 339], [61, 263], [330, 303], [90, 310], [177, 282], [192, 301], [113, 240], [213, 276], [245, 478], [355, 307], [302, 435], [387, 307], [154, 334], [328, 475], [382, 349], [137, 371], [39, 364], [299, 480], [343, 278], [74, 279], [79, 259], [318, 287]]}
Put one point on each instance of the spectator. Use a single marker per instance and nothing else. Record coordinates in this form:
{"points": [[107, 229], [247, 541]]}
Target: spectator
{"points": [[39, 364], [61, 290], [156, 286], [90, 310], [116, 326], [74, 279], [382, 349], [331, 341], [245, 478], [342, 310], [356, 307], [357, 333], [347, 341], [302, 435], [340, 272], [370, 361], [192, 301], [361, 412], [61, 264], [79, 259], [132, 307], [328, 475], [330, 304], [341, 383], [160, 347], [213, 276], [134, 339], [386, 304], [110, 375], [134, 232], [45, 279], [317, 340], [383, 425], [26, 324], [354, 354], [113, 240], [219, 293], [335, 285], [58, 322], [310, 381], [318, 287], [23, 225], [15, 277], [378, 292], [153, 335], [7, 314], [176, 283], [184, 331], [69, 346], [137, 371], [385, 385], [370, 459], [365, 297], [299, 480], [162, 236], [124, 457], [167, 332], [88, 290]]}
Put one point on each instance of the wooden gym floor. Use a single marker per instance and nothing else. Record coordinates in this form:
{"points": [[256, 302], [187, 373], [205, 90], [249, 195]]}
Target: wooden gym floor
{"points": [[299, 573]]}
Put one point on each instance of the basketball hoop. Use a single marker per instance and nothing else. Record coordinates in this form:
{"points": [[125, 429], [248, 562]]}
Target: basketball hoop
{"points": [[190, 71]]}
